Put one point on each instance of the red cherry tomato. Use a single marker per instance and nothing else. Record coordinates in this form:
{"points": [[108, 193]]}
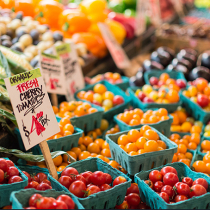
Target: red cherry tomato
{"points": [[133, 199], [34, 178], [108, 178], [164, 196], [69, 171], [33, 184], [169, 190], [155, 176], [117, 100], [133, 189], [79, 178], [197, 190], [179, 198], [43, 187], [202, 100], [67, 200], [44, 203], [98, 178], [87, 176], [65, 181], [168, 169], [33, 199], [202, 182], [123, 205], [188, 181], [92, 190], [119, 180], [149, 183], [46, 181], [78, 188], [170, 179], [15, 179], [3, 165], [158, 186], [12, 171], [183, 189], [28, 175], [1, 176], [41, 177], [10, 163], [105, 187], [59, 205], [142, 206]]}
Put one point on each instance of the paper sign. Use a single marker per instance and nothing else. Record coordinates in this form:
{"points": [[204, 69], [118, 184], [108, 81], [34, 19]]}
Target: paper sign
{"points": [[141, 17], [118, 54], [74, 79], [53, 73], [155, 12], [32, 108]]}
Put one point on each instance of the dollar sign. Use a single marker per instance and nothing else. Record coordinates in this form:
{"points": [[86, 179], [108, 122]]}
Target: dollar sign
{"points": [[26, 131]]}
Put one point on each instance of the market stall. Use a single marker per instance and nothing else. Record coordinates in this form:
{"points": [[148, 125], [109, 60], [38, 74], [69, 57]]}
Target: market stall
{"points": [[104, 104]]}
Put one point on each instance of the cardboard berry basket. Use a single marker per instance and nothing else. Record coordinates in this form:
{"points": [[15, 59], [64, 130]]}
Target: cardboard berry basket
{"points": [[151, 198], [146, 161], [114, 89], [104, 199], [7, 189], [20, 199]]}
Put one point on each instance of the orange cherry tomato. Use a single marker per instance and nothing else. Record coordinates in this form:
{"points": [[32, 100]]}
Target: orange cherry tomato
{"points": [[26, 6]]}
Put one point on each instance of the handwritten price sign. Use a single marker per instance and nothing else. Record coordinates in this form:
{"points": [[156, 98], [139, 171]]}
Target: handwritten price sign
{"points": [[74, 79], [118, 54], [35, 117], [53, 73]]}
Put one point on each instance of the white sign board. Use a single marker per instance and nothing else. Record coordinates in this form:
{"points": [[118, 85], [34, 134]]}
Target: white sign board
{"points": [[118, 54], [74, 79], [32, 108], [53, 73]]}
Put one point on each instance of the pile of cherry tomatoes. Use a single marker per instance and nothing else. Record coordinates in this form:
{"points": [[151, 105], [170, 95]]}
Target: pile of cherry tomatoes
{"points": [[88, 183]]}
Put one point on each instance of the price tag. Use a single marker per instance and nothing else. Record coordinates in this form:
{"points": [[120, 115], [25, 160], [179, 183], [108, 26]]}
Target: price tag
{"points": [[74, 79], [53, 73], [155, 12], [141, 17], [31, 105], [118, 54], [178, 6]]}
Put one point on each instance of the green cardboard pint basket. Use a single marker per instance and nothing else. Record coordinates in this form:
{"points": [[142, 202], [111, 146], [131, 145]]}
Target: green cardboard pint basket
{"points": [[162, 126], [134, 164], [135, 102], [7, 189], [20, 199], [152, 199], [104, 199], [114, 89]]}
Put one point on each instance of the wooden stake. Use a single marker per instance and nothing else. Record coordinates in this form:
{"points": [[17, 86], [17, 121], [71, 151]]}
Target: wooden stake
{"points": [[48, 159], [54, 99]]}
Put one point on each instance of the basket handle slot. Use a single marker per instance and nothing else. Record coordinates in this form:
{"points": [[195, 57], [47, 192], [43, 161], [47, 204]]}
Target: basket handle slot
{"points": [[140, 167], [51, 150], [165, 161], [106, 205], [153, 164], [207, 206], [62, 149], [118, 199], [95, 124]]}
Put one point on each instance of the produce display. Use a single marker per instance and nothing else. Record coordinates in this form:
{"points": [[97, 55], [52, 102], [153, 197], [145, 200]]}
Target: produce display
{"points": [[101, 96], [137, 116], [202, 165], [172, 190]]}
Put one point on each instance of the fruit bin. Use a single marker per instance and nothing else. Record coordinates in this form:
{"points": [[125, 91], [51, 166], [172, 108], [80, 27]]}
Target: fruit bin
{"points": [[87, 122], [135, 102], [7, 189], [20, 199], [104, 199], [194, 109], [61, 144], [117, 91], [156, 202], [162, 126], [134, 164], [157, 73]]}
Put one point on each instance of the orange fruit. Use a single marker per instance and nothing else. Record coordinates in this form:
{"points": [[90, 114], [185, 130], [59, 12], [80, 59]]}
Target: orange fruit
{"points": [[67, 133], [206, 158], [151, 135], [140, 142], [100, 157], [159, 149], [132, 153], [61, 168], [76, 150], [65, 157], [64, 121], [150, 146], [83, 155], [133, 135], [195, 129], [164, 77], [182, 116], [93, 148], [105, 145], [192, 91], [99, 88], [80, 140], [144, 128], [140, 151], [55, 109], [98, 131], [114, 164], [172, 96], [175, 136], [68, 127], [123, 140], [106, 152], [106, 159], [130, 147], [205, 145], [175, 119], [186, 127], [92, 134], [122, 146], [195, 137], [185, 161], [180, 156], [161, 144], [182, 148], [175, 158], [57, 160], [82, 147], [208, 168], [192, 146], [189, 155], [184, 141], [92, 110], [199, 166], [99, 142], [57, 136], [87, 140]]}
